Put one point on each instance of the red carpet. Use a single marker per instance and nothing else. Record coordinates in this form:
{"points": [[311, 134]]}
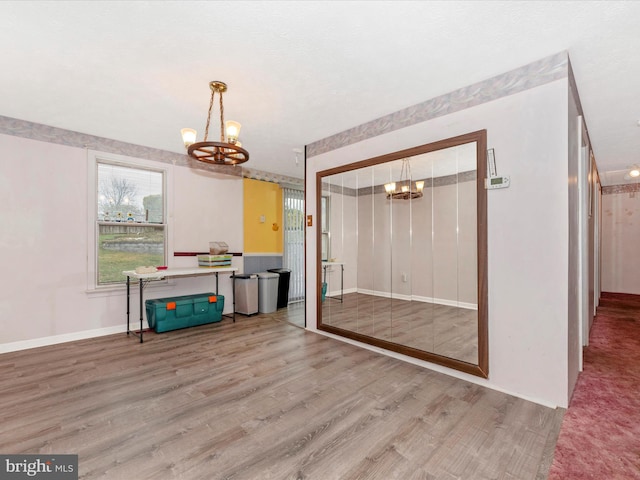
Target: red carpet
{"points": [[600, 433]]}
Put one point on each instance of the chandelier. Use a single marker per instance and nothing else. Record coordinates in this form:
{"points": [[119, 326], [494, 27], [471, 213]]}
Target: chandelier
{"points": [[228, 151], [405, 189]]}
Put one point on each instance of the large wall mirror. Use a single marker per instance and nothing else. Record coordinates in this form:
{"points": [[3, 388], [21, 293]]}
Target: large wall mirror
{"points": [[402, 252]]}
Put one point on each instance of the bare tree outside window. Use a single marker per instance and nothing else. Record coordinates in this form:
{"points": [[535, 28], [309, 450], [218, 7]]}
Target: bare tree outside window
{"points": [[131, 230], [117, 194]]}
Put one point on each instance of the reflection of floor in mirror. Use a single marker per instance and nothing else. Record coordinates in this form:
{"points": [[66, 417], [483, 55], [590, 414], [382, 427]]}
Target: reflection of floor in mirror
{"points": [[441, 329]]}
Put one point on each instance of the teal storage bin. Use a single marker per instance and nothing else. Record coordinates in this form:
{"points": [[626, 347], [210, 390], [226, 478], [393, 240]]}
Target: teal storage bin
{"points": [[173, 313]]}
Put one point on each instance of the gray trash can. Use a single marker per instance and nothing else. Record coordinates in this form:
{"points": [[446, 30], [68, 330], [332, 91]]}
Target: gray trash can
{"points": [[246, 293], [267, 292]]}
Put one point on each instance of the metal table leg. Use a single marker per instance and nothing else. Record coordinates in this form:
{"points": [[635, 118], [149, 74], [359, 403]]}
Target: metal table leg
{"points": [[324, 279], [129, 331], [128, 302], [141, 308], [233, 295]]}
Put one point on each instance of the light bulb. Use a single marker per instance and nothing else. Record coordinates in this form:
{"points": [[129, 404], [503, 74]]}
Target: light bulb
{"points": [[233, 130], [188, 136]]}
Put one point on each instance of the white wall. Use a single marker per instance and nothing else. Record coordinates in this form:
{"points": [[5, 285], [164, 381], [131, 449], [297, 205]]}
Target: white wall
{"points": [[44, 242], [527, 230], [620, 242]]}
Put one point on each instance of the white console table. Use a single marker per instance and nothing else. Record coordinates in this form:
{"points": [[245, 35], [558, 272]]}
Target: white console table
{"points": [[145, 278], [325, 265]]}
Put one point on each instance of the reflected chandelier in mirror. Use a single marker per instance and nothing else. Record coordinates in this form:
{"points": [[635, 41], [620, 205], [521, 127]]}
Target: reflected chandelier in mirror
{"points": [[403, 263]]}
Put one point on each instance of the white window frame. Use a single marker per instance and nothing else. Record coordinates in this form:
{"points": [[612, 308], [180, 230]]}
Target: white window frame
{"points": [[93, 158]]}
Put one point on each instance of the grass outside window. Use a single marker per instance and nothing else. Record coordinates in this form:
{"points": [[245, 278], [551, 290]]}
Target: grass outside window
{"points": [[127, 247]]}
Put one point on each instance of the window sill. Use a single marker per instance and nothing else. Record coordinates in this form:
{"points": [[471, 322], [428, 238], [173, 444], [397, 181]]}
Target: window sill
{"points": [[130, 224]]}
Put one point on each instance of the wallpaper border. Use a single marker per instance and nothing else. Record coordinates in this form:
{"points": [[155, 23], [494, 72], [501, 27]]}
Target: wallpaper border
{"points": [[535, 74], [60, 136], [615, 189]]}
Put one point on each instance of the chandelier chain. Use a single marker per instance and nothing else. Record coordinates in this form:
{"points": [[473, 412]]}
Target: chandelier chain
{"points": [[405, 173], [206, 130], [221, 119]]}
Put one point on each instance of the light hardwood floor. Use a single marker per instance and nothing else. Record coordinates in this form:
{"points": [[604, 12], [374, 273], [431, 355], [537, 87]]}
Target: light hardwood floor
{"points": [[262, 399]]}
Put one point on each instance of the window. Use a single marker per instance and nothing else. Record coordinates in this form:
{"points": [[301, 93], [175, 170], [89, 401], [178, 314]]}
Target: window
{"points": [[294, 226], [326, 235], [130, 220]]}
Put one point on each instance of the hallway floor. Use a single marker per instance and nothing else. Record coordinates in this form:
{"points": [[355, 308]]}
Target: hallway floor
{"points": [[600, 434]]}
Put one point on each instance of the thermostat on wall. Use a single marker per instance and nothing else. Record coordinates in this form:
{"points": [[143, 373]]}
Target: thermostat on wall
{"points": [[496, 182]]}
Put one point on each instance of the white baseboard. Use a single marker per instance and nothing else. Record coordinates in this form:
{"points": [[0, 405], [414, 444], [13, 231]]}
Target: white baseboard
{"points": [[417, 298], [67, 337], [336, 293], [444, 301]]}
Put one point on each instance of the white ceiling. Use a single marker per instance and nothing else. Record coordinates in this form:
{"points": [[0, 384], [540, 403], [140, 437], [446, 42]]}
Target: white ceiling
{"points": [[297, 72]]}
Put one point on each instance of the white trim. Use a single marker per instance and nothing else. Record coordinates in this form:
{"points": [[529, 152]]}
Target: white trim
{"points": [[584, 165], [376, 293], [71, 337], [336, 293], [444, 301], [262, 254], [418, 298]]}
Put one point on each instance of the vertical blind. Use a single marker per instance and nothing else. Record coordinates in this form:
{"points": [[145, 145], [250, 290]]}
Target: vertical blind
{"points": [[294, 241]]}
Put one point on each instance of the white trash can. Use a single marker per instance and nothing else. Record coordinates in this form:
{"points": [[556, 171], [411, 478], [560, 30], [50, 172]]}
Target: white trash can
{"points": [[246, 293], [267, 292]]}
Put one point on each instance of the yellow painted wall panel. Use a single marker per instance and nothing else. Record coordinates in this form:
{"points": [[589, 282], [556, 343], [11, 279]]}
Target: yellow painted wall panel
{"points": [[262, 200]]}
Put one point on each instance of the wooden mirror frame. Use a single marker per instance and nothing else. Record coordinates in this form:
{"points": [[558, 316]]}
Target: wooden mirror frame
{"points": [[481, 369]]}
